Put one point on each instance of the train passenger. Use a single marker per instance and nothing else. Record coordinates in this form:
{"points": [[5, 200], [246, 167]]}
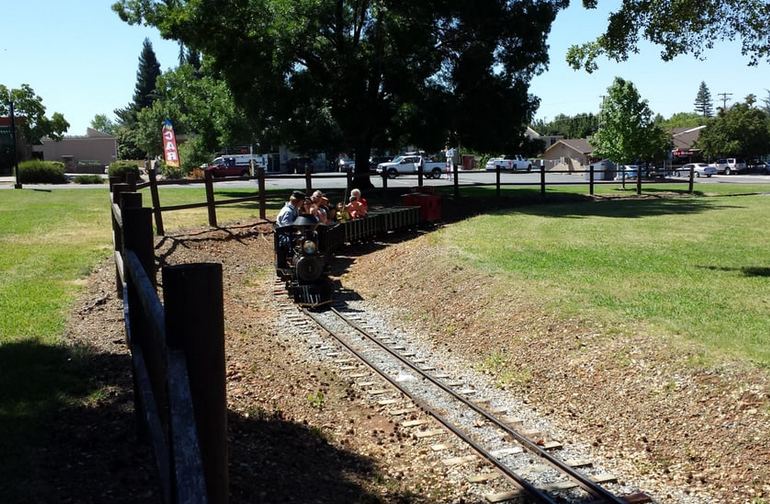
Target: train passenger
{"points": [[320, 207], [341, 213], [358, 207]]}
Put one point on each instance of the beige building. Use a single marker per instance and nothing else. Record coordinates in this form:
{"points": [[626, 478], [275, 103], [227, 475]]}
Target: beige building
{"points": [[569, 153], [89, 153]]}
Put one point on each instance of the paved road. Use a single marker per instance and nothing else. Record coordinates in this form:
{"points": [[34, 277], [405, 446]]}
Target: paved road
{"points": [[332, 180]]}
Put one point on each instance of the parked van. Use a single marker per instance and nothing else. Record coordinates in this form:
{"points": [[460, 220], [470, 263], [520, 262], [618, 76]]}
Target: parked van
{"points": [[228, 165]]}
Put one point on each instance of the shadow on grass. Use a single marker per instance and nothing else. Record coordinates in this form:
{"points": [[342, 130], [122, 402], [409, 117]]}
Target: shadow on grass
{"points": [[749, 271], [68, 434]]}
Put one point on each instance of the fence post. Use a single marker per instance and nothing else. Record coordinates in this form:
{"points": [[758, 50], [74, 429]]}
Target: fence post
{"points": [[497, 179], [117, 232], [692, 177], [348, 183], [542, 179], [210, 199], [591, 179], [419, 173], [638, 180], [195, 325], [455, 168], [131, 181], [261, 186], [308, 180], [153, 175]]}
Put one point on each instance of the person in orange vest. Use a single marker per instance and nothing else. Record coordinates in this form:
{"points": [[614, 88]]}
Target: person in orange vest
{"points": [[358, 207]]}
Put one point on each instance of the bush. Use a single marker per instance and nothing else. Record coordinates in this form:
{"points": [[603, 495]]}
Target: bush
{"points": [[88, 179], [122, 169], [41, 172]]}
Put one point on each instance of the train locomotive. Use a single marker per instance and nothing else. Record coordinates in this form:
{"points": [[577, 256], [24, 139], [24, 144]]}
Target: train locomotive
{"points": [[303, 262]]}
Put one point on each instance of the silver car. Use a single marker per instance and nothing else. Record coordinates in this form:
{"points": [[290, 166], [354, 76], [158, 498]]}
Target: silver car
{"points": [[699, 170]]}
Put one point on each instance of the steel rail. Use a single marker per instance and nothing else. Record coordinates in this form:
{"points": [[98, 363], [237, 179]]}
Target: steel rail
{"points": [[532, 490], [582, 480]]}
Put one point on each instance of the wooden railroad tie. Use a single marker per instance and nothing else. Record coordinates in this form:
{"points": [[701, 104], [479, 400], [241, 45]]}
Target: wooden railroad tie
{"points": [[562, 485]]}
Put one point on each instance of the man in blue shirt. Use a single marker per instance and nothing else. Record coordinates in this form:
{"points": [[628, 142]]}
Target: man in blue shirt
{"points": [[290, 210]]}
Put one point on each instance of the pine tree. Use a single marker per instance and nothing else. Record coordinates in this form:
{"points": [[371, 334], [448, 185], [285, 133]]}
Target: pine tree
{"points": [[144, 92], [703, 103]]}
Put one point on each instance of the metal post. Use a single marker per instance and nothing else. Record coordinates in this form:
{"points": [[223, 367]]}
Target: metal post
{"points": [[348, 182], [692, 177], [497, 179], [17, 185], [210, 199], [195, 325], [261, 186], [591, 179], [542, 178], [456, 181], [308, 180], [419, 172], [384, 181]]}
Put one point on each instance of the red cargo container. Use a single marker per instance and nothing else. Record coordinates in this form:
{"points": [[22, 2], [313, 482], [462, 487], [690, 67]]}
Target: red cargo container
{"points": [[430, 205]]}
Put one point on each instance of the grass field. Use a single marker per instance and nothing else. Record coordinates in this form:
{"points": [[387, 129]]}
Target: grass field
{"points": [[693, 266]]}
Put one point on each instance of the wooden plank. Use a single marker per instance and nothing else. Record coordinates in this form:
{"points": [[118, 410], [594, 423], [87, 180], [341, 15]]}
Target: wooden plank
{"points": [[506, 451], [403, 411], [379, 392], [483, 477], [428, 433], [439, 447], [413, 423], [455, 461], [388, 402]]}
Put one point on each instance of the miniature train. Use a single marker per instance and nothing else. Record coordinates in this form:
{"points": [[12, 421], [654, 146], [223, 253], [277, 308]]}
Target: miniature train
{"points": [[304, 250]]}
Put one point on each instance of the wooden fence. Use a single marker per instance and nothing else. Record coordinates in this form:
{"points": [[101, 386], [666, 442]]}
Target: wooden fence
{"points": [[177, 354], [260, 195]]}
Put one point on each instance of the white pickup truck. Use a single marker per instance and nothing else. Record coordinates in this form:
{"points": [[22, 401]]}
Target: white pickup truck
{"points": [[515, 163], [406, 165]]}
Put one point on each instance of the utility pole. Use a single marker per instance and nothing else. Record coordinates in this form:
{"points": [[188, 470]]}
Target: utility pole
{"points": [[724, 97]]}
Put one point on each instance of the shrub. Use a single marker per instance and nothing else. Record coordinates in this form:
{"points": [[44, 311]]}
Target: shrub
{"points": [[88, 179], [122, 169], [41, 172]]}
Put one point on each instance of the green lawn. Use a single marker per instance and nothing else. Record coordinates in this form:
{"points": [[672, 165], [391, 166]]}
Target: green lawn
{"points": [[694, 266]]}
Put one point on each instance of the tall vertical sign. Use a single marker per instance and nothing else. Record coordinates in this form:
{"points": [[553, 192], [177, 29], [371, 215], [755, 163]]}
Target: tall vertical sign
{"points": [[170, 152]]}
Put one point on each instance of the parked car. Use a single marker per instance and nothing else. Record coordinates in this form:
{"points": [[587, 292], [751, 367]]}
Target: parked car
{"points": [[227, 167], [631, 172], [729, 165], [699, 170], [345, 164], [376, 160]]}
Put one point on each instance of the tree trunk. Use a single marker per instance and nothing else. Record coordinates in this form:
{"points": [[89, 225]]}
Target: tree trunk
{"points": [[361, 175]]}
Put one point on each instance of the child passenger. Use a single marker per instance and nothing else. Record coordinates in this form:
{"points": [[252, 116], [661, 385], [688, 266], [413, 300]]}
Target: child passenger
{"points": [[358, 207]]}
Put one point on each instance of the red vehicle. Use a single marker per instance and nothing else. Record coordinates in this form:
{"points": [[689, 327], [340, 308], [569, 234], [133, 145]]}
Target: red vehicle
{"points": [[227, 167]]}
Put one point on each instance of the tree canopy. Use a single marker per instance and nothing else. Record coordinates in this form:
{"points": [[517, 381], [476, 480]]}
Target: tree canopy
{"points": [[361, 74], [682, 120], [578, 126], [102, 123], [627, 132], [740, 131], [681, 27], [144, 91], [29, 105]]}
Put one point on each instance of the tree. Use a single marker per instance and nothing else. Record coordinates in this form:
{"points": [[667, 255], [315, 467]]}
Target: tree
{"points": [[144, 91], [102, 123], [740, 131], [681, 27], [369, 74], [683, 120], [29, 105], [199, 104], [579, 126], [627, 132], [703, 103]]}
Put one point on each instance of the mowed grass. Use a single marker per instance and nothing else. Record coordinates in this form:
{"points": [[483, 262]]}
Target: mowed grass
{"points": [[692, 266], [49, 243]]}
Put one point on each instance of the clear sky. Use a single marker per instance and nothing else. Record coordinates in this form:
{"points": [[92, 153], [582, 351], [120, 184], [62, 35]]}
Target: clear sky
{"points": [[82, 60]]}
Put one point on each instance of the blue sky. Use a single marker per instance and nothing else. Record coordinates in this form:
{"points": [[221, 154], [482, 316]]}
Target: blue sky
{"points": [[82, 60]]}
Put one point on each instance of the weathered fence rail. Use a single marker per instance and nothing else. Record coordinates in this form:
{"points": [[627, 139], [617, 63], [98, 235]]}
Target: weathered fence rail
{"points": [[260, 195], [177, 355]]}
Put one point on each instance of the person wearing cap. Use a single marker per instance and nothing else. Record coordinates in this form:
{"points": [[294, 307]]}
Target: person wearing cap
{"points": [[290, 210], [358, 207]]}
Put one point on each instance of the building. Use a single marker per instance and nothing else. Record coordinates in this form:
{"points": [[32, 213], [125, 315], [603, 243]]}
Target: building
{"points": [[684, 140], [569, 154], [88, 153], [548, 140]]}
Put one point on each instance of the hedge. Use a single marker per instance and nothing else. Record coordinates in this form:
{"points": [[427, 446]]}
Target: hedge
{"points": [[88, 179], [122, 169], [41, 172]]}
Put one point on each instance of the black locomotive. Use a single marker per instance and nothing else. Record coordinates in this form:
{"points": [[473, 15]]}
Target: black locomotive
{"points": [[302, 261]]}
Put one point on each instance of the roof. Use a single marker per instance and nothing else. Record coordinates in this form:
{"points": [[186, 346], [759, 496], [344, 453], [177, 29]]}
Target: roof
{"points": [[685, 138], [581, 145]]}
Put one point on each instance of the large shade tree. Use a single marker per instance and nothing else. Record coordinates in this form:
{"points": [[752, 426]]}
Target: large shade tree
{"points": [[627, 130], [679, 27], [740, 131], [363, 74]]}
